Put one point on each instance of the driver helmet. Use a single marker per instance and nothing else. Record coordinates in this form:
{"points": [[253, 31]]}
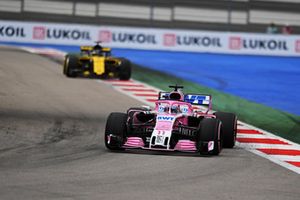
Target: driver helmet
{"points": [[166, 109], [175, 109], [97, 49]]}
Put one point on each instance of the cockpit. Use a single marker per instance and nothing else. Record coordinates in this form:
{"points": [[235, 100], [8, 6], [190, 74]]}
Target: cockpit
{"points": [[96, 50], [172, 108]]}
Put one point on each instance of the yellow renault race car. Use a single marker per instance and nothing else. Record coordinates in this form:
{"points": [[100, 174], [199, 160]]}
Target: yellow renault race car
{"points": [[96, 62]]}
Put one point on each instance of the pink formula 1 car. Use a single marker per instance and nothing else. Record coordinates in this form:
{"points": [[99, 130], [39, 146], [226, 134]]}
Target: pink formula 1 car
{"points": [[179, 122]]}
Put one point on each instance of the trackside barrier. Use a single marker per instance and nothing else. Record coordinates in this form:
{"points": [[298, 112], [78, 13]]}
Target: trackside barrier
{"points": [[150, 38]]}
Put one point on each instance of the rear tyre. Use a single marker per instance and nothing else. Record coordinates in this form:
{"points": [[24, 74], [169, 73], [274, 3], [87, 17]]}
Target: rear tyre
{"points": [[115, 131], [70, 65], [125, 70], [229, 128], [209, 137]]}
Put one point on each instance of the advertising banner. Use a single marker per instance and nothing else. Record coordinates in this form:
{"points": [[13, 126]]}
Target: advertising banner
{"points": [[150, 38]]}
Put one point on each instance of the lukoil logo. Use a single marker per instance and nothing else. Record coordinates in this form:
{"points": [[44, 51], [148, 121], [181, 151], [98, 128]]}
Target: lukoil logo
{"points": [[11, 31], [121, 37], [170, 39], [237, 43], [104, 36], [41, 33]]}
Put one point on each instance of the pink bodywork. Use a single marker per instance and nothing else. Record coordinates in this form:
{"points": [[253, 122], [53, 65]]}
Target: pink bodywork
{"points": [[167, 125], [134, 142], [185, 145]]}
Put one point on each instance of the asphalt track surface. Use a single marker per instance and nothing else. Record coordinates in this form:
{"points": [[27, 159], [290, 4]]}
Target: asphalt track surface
{"points": [[51, 147]]}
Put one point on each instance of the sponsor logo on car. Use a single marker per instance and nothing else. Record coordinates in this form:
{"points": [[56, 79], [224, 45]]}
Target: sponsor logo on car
{"points": [[210, 145], [12, 31], [197, 99], [165, 118], [161, 109], [187, 132]]}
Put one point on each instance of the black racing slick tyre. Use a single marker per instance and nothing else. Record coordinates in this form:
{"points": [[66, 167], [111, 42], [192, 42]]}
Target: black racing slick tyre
{"points": [[125, 69], [229, 128], [209, 137], [70, 65], [115, 131]]}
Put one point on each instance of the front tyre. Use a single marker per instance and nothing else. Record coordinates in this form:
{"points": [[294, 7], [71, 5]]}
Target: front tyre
{"points": [[70, 65], [209, 137], [115, 131], [229, 128]]}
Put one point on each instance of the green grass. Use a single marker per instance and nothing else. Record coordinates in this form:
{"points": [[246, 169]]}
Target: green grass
{"points": [[278, 122]]}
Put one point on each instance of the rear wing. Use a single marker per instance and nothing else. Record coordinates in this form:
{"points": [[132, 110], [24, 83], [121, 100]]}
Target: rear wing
{"points": [[198, 99], [194, 99]]}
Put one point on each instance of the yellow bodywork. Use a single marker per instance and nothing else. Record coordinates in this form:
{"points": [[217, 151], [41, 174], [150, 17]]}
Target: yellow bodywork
{"points": [[98, 60], [106, 49], [86, 48], [99, 65]]}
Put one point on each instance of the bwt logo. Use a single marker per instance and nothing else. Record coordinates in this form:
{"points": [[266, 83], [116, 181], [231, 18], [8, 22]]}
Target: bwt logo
{"points": [[169, 39], [39, 33], [235, 43], [105, 36], [297, 46], [165, 118]]}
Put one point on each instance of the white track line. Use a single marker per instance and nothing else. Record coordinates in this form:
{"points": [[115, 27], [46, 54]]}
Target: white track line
{"points": [[241, 135], [287, 158], [262, 146]]}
